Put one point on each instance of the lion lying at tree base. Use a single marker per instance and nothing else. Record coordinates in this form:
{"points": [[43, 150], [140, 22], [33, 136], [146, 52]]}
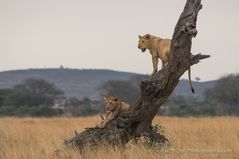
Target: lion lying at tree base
{"points": [[113, 106]]}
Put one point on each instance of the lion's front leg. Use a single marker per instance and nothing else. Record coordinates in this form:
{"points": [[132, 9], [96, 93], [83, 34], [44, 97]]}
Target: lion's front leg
{"points": [[102, 124], [155, 64], [163, 64], [110, 117]]}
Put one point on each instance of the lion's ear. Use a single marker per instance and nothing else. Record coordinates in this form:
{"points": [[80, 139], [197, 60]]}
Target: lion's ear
{"points": [[105, 97], [140, 36], [147, 36]]}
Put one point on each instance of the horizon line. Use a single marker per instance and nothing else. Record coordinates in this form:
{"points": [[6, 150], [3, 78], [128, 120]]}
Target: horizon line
{"points": [[103, 69]]}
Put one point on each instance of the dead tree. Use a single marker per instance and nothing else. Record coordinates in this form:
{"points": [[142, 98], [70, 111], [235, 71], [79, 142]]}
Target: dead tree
{"points": [[153, 93]]}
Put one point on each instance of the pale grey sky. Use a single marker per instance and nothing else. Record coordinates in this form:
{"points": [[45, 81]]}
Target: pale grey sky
{"points": [[104, 34]]}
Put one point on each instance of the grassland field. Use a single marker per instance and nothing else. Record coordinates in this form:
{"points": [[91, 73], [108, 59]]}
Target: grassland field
{"points": [[190, 138]]}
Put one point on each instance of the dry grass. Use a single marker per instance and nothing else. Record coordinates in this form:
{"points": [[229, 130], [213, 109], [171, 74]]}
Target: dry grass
{"points": [[38, 138]]}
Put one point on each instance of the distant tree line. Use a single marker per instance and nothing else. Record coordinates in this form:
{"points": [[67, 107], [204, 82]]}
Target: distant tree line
{"points": [[222, 99], [37, 97], [32, 97]]}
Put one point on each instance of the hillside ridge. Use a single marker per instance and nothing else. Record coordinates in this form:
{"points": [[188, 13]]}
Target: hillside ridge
{"points": [[82, 83]]}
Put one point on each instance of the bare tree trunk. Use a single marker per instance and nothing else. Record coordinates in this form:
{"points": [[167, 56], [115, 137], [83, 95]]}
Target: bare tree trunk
{"points": [[153, 93]]}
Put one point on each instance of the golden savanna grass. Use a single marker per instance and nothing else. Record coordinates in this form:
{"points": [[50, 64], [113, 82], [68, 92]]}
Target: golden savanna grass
{"points": [[200, 138]]}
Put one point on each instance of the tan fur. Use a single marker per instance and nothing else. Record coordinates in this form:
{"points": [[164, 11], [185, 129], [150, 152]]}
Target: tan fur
{"points": [[112, 107], [159, 49]]}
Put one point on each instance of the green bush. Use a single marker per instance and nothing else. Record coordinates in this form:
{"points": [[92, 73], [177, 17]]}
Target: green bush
{"points": [[30, 111], [44, 111]]}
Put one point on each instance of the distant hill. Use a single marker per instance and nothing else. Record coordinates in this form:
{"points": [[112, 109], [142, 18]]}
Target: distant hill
{"points": [[74, 82], [85, 82]]}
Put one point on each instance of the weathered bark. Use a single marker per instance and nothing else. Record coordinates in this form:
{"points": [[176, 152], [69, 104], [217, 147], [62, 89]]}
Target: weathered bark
{"points": [[153, 93]]}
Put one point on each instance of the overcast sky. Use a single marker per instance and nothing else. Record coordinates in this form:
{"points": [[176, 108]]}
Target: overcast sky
{"points": [[104, 34]]}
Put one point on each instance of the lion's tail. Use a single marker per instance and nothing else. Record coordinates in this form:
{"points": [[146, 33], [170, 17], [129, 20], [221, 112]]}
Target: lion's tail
{"points": [[190, 81]]}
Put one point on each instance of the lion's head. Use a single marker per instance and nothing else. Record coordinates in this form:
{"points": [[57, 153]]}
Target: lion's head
{"points": [[111, 103], [144, 42]]}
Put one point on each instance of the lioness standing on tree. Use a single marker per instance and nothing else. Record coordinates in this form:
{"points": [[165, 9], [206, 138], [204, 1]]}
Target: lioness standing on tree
{"points": [[159, 49], [113, 106]]}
